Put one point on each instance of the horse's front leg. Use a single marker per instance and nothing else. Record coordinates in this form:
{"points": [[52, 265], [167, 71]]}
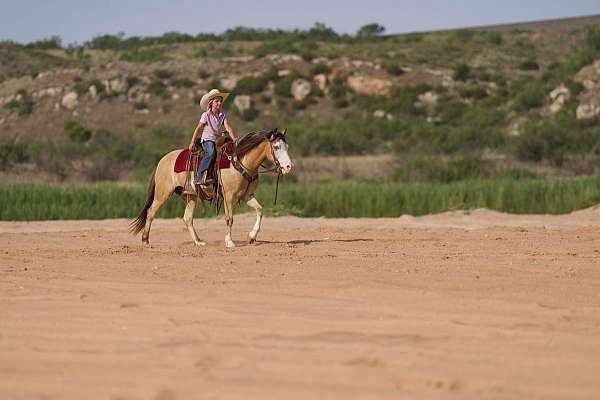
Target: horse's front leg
{"points": [[258, 208], [228, 206]]}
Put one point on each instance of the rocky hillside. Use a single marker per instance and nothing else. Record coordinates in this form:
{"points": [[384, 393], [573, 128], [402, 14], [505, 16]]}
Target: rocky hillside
{"points": [[469, 97]]}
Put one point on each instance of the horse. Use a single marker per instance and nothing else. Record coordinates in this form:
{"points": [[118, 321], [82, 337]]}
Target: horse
{"points": [[239, 181]]}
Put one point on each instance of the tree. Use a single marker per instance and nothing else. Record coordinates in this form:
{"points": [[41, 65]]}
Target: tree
{"points": [[370, 30]]}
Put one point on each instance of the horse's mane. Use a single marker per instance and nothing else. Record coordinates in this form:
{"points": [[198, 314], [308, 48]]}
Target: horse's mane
{"points": [[253, 139]]}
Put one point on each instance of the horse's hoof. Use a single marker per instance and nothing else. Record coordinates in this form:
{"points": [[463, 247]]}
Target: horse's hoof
{"points": [[200, 243], [146, 242], [230, 245], [251, 240]]}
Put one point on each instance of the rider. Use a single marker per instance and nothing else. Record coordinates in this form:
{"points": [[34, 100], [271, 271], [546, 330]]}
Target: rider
{"points": [[210, 123]]}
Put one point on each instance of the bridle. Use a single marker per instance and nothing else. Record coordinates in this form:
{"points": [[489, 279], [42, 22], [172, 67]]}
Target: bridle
{"points": [[241, 168]]}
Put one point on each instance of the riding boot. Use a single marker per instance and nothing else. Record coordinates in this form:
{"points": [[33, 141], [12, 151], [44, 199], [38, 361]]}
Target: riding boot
{"points": [[206, 181]]}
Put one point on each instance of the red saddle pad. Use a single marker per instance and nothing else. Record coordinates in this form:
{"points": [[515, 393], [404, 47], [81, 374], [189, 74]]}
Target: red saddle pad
{"points": [[182, 160]]}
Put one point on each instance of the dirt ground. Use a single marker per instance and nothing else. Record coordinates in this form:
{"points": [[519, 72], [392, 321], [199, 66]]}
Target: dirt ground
{"points": [[479, 306]]}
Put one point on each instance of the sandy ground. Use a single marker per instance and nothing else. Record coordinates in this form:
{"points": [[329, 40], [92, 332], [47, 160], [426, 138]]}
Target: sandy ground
{"points": [[480, 306]]}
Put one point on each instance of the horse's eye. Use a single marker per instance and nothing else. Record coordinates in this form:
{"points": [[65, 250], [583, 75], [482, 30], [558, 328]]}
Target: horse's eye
{"points": [[276, 147]]}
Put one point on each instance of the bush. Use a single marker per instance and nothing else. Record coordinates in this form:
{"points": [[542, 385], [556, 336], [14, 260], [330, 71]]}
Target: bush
{"points": [[144, 55], [162, 74], [157, 88], [249, 114], [76, 132], [432, 169], [12, 153], [319, 69], [462, 72], [250, 85], [529, 65], [393, 69], [140, 105], [593, 37], [533, 95], [182, 83], [473, 92], [495, 38], [541, 140], [131, 81]]}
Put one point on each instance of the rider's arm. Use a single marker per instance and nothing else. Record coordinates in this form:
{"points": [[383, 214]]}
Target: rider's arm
{"points": [[230, 130], [195, 135]]}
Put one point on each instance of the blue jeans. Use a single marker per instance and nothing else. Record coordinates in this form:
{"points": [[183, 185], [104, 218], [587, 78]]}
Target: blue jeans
{"points": [[209, 157]]}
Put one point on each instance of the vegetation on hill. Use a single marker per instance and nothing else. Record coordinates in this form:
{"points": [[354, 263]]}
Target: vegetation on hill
{"points": [[464, 104]]}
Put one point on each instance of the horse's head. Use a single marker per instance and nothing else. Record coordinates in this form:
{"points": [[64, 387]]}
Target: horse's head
{"points": [[279, 154]]}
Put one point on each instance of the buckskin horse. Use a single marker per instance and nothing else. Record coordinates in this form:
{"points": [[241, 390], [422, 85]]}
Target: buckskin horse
{"points": [[238, 181]]}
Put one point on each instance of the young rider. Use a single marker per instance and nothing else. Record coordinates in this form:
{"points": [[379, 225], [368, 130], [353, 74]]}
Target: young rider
{"points": [[210, 124]]}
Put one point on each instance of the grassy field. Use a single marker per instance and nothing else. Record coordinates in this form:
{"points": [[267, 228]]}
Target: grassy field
{"points": [[26, 202]]}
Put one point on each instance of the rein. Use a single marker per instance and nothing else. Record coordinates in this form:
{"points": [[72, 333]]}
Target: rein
{"points": [[237, 164]]}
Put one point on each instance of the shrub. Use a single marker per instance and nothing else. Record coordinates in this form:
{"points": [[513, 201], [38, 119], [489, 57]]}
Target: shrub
{"points": [[140, 105], [415, 37], [250, 85], [131, 81], [162, 74], [76, 132], [319, 69], [182, 83], [575, 88], [593, 37], [473, 92], [144, 55], [495, 38], [529, 65], [541, 140], [157, 88], [341, 103], [12, 153], [249, 115], [532, 96], [432, 169], [11, 105], [283, 87], [462, 72], [393, 69]]}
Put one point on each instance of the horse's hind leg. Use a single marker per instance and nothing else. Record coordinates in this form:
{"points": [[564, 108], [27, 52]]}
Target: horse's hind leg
{"points": [[188, 218], [252, 202], [160, 197]]}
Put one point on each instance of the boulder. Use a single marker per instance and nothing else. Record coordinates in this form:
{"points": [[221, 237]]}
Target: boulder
{"points": [[242, 102], [589, 110], [229, 82], [93, 91], [429, 98], [283, 72], [300, 89], [321, 81], [558, 97], [379, 114], [70, 100], [117, 85], [369, 85], [589, 75]]}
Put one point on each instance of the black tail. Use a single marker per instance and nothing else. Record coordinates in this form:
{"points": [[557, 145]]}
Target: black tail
{"points": [[139, 223]]}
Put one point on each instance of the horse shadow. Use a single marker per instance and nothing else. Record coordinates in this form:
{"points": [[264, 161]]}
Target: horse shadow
{"points": [[311, 241]]}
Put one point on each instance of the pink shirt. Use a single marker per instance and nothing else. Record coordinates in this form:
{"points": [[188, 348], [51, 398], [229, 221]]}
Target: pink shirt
{"points": [[212, 125]]}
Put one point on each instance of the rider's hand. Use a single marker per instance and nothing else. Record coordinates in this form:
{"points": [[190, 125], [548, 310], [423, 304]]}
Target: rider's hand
{"points": [[191, 147]]}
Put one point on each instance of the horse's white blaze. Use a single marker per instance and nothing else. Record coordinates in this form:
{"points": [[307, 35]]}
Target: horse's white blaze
{"points": [[280, 149]]}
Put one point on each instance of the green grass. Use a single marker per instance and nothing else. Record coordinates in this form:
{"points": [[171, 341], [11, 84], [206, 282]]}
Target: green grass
{"points": [[24, 202]]}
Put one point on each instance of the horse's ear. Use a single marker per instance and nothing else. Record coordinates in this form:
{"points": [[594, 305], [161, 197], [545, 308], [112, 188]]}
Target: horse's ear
{"points": [[284, 132]]}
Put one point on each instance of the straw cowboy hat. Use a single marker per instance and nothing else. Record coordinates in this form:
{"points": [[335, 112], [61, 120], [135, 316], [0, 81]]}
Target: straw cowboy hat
{"points": [[205, 100]]}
